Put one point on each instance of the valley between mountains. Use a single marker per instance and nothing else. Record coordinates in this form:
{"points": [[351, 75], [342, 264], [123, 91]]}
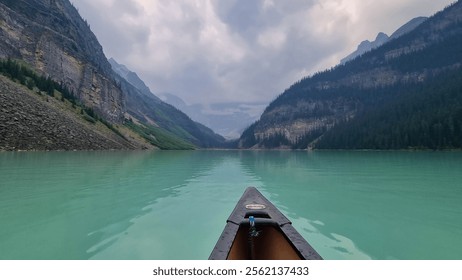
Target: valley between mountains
{"points": [[58, 91]]}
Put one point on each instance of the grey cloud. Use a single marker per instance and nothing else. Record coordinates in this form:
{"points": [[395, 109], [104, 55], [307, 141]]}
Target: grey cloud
{"points": [[242, 16], [238, 50], [107, 24]]}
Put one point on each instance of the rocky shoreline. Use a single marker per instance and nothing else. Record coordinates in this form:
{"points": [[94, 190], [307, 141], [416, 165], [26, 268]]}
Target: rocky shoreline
{"points": [[29, 121]]}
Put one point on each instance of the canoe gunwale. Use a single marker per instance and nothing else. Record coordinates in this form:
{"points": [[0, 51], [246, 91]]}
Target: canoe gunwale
{"points": [[269, 217]]}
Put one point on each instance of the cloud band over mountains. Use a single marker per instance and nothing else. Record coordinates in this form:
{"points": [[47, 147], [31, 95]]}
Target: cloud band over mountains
{"points": [[208, 51]]}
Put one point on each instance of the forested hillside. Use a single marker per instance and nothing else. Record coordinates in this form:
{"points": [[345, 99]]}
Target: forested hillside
{"points": [[424, 116], [405, 94]]}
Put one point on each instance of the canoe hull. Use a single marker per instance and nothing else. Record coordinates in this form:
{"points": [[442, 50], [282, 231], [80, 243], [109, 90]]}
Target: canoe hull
{"points": [[277, 239]]}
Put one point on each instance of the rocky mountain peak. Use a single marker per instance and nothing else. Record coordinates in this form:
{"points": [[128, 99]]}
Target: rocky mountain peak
{"points": [[382, 38], [132, 78]]}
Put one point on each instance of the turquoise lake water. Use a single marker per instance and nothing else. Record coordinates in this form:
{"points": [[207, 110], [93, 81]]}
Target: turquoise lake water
{"points": [[173, 205]]}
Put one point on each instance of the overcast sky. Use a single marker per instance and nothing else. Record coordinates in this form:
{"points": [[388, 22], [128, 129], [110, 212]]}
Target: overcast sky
{"points": [[207, 51]]}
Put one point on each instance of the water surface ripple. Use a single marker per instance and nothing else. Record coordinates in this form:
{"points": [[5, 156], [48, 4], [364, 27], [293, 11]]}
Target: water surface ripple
{"points": [[173, 205]]}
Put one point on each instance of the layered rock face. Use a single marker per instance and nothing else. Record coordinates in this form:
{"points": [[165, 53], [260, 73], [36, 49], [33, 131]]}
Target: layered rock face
{"points": [[51, 37]]}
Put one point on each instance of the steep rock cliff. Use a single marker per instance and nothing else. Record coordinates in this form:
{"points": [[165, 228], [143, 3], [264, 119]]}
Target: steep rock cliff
{"points": [[52, 38]]}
